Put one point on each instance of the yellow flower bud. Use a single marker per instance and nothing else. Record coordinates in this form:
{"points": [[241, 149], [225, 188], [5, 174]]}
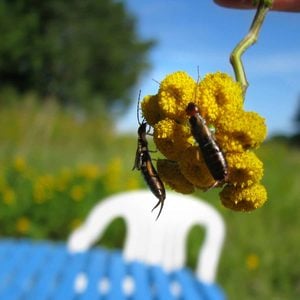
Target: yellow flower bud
{"points": [[246, 130], [176, 91], [150, 109], [244, 168], [171, 138], [170, 173], [194, 168], [243, 199]]}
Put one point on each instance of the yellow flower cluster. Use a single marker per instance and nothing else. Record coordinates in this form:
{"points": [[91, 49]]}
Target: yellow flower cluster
{"points": [[220, 102], [20, 164], [43, 188], [22, 225], [252, 262]]}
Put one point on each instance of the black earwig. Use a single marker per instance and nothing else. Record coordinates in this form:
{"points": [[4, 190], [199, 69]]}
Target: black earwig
{"points": [[144, 164], [211, 152]]}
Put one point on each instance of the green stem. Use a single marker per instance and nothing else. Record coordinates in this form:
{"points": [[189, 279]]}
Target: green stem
{"points": [[247, 41]]}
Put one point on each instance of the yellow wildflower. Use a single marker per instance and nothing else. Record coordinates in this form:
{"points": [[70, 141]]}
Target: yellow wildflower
{"points": [[194, 169], [170, 173], [43, 188], [252, 262], [217, 92], [75, 223], [19, 164], [22, 225], [9, 196], [244, 168], [246, 129], [219, 100], [175, 92], [150, 109], [243, 199], [89, 171], [227, 143], [171, 138], [226, 91], [77, 193]]}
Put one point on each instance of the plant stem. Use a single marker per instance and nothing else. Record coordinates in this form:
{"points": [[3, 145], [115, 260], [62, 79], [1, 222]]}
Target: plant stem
{"points": [[252, 36]]}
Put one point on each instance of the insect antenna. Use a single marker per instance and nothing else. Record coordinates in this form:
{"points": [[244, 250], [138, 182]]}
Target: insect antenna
{"points": [[138, 108], [156, 81], [196, 87]]}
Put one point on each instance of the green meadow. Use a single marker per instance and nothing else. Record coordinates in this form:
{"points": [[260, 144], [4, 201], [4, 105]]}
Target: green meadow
{"points": [[56, 164]]}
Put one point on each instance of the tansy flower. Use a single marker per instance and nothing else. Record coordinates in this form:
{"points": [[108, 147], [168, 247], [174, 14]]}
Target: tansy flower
{"points": [[246, 130], [9, 196], [43, 188], [150, 109], [252, 262], [77, 193], [89, 171], [20, 164], [244, 199], [218, 92], [191, 165], [244, 168], [176, 86], [170, 173], [75, 223], [22, 225], [171, 138], [219, 100]]}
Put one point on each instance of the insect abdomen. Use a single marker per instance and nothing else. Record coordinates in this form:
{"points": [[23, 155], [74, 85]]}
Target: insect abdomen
{"points": [[152, 179], [211, 152], [214, 160]]}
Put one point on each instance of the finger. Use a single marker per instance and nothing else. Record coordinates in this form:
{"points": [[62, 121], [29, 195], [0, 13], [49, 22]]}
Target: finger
{"points": [[241, 4], [278, 5]]}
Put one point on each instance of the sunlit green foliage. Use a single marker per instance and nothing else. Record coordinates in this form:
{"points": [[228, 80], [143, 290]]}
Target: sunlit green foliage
{"points": [[55, 165], [51, 205]]}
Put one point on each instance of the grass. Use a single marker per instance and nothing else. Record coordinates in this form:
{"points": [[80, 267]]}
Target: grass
{"points": [[269, 234], [261, 252]]}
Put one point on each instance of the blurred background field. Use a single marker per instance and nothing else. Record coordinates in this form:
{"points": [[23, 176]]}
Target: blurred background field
{"points": [[56, 166], [62, 95]]}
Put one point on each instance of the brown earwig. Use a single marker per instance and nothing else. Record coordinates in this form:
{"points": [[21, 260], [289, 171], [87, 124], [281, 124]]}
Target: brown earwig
{"points": [[144, 164], [211, 152]]}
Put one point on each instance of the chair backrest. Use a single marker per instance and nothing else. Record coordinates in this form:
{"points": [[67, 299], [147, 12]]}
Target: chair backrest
{"points": [[157, 242]]}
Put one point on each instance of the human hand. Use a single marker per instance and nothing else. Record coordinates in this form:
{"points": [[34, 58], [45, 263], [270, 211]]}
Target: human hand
{"points": [[279, 5]]}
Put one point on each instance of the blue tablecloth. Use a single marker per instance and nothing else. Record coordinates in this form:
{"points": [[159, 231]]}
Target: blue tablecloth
{"points": [[45, 270]]}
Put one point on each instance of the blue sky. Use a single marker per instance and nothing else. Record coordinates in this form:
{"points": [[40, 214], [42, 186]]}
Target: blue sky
{"points": [[199, 33]]}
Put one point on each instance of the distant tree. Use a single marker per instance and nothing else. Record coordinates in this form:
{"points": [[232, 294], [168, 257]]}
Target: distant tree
{"points": [[295, 139], [78, 51], [297, 117]]}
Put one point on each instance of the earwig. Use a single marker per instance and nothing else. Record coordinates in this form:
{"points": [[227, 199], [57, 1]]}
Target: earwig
{"points": [[211, 152], [144, 164]]}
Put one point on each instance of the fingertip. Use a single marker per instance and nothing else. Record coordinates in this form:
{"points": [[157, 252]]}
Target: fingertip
{"points": [[238, 4]]}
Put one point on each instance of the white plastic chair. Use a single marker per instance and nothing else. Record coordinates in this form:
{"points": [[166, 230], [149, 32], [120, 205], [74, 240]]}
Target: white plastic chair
{"points": [[160, 242]]}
